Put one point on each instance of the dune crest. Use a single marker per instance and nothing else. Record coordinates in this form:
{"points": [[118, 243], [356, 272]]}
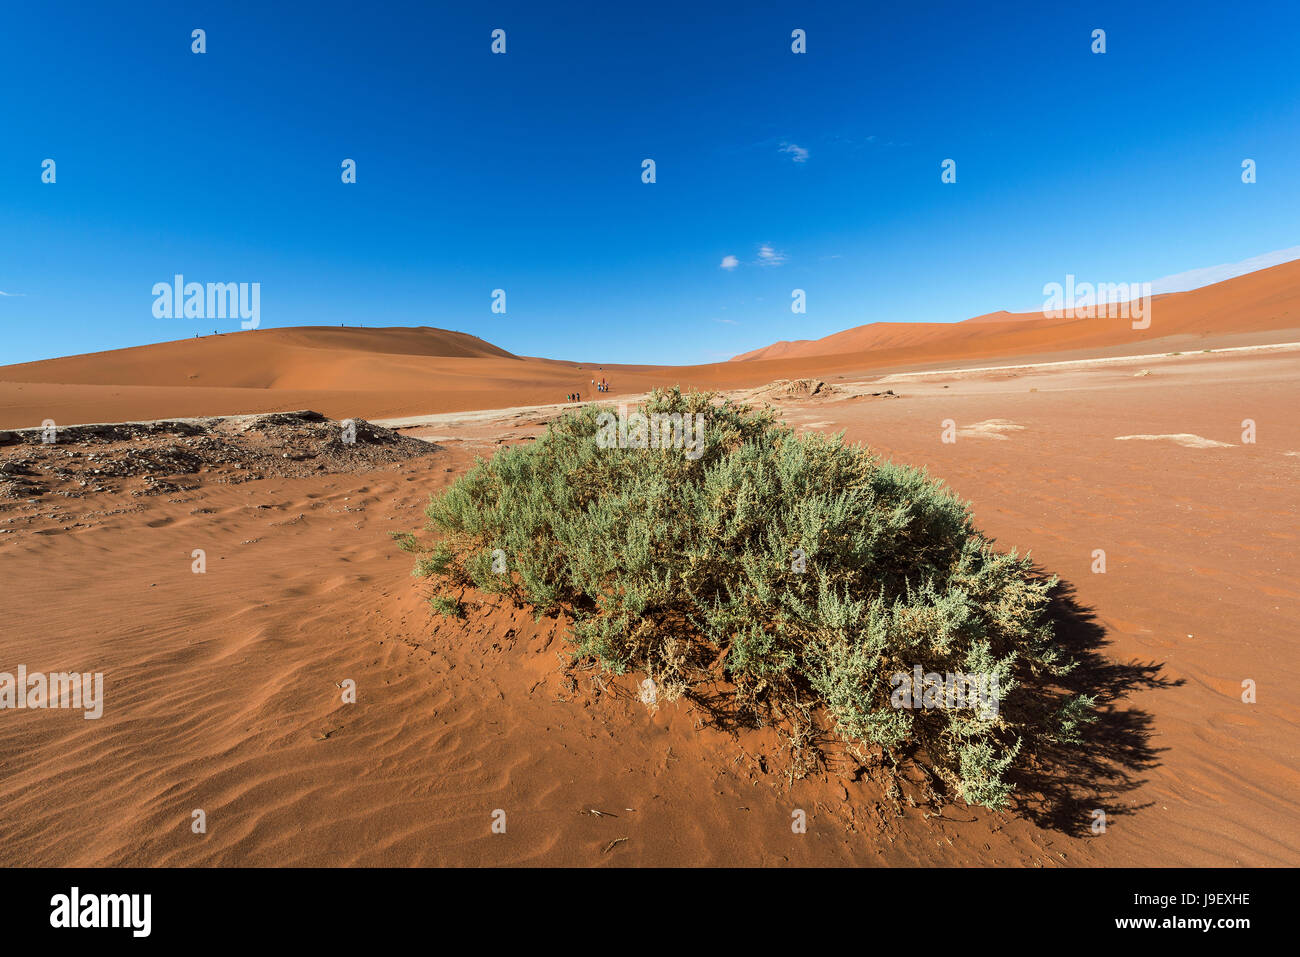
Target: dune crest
{"points": [[1268, 299]]}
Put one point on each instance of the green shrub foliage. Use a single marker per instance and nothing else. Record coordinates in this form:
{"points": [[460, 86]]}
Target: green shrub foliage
{"points": [[687, 568]]}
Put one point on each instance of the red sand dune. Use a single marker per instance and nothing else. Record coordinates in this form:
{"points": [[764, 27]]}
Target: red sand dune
{"points": [[1262, 301], [388, 372], [316, 357]]}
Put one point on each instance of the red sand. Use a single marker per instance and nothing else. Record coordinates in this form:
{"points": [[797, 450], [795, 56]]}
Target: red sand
{"points": [[222, 689], [1266, 301], [391, 372]]}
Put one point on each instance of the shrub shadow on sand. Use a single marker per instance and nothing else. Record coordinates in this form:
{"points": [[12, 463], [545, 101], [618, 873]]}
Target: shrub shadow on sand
{"points": [[1065, 785]]}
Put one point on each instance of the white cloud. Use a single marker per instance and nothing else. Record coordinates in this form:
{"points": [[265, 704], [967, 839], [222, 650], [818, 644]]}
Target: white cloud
{"points": [[730, 322], [1195, 278], [798, 153], [3, 293], [768, 255]]}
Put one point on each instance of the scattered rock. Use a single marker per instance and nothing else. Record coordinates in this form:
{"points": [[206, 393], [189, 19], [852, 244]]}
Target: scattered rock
{"points": [[236, 448]]}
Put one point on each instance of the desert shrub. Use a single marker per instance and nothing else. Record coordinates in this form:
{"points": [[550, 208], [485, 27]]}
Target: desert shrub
{"points": [[798, 573], [447, 607]]}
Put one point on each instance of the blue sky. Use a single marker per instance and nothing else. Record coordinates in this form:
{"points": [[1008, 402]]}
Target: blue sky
{"points": [[523, 171]]}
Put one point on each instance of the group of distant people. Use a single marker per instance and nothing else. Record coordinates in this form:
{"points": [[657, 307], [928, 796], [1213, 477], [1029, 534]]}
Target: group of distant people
{"points": [[601, 386]]}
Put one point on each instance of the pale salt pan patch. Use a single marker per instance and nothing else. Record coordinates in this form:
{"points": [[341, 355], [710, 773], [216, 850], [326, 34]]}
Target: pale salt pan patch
{"points": [[1182, 438], [990, 429]]}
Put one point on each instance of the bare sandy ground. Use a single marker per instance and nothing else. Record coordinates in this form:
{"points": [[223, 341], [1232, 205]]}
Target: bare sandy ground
{"points": [[223, 688]]}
